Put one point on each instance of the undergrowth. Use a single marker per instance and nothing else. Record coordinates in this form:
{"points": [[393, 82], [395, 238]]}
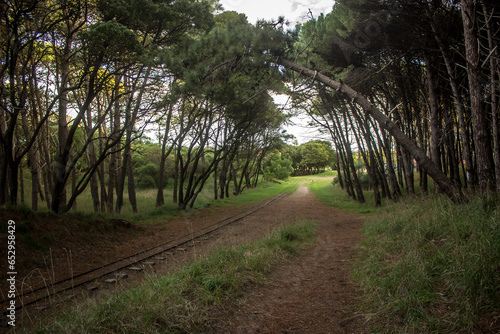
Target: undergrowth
{"points": [[179, 303], [428, 265]]}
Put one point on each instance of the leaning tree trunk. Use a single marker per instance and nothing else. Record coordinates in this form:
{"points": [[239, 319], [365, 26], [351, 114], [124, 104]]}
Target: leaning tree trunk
{"points": [[453, 192]]}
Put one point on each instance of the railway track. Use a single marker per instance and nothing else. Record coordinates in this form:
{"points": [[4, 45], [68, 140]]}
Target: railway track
{"points": [[116, 270]]}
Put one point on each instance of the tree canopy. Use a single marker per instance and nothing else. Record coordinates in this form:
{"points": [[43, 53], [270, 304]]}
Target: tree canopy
{"points": [[405, 87]]}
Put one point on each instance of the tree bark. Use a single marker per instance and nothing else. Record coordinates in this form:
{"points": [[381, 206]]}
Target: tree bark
{"points": [[482, 142], [494, 70], [131, 182], [435, 140], [160, 199], [370, 164], [464, 132]]}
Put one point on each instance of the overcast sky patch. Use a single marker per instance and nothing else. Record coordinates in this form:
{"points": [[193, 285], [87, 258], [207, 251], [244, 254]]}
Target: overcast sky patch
{"points": [[293, 11]]}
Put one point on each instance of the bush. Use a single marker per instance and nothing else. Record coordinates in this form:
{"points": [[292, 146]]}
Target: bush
{"points": [[278, 168], [147, 176]]}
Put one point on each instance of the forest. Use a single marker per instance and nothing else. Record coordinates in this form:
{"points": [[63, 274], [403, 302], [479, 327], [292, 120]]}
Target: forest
{"points": [[87, 86]]}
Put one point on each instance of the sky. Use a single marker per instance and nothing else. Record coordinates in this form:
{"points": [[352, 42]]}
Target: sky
{"points": [[294, 11]]}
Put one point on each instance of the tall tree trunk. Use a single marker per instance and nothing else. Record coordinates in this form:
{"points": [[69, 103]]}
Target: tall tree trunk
{"points": [[101, 169], [399, 165], [482, 142], [380, 169], [464, 132], [112, 167], [73, 187], [21, 183], [59, 197], [160, 199], [3, 164], [131, 182], [102, 186], [385, 144], [47, 163], [339, 173], [370, 164], [121, 162], [215, 176], [91, 157], [32, 158], [494, 71], [176, 177], [434, 119], [350, 161], [452, 154]]}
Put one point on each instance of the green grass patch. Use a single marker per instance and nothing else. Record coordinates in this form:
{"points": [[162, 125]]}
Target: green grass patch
{"points": [[430, 266], [262, 192], [179, 303], [149, 213], [333, 195]]}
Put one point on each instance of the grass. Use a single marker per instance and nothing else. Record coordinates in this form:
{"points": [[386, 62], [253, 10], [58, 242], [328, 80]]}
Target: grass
{"points": [[426, 265], [179, 303], [431, 266], [332, 195], [149, 213]]}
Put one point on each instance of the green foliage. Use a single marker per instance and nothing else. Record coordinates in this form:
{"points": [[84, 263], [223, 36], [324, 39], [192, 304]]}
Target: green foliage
{"points": [[316, 154], [174, 17], [111, 39], [179, 302], [432, 266], [147, 176], [277, 167], [310, 157]]}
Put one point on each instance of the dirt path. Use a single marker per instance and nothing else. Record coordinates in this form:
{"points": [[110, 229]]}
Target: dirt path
{"points": [[311, 294], [314, 293]]}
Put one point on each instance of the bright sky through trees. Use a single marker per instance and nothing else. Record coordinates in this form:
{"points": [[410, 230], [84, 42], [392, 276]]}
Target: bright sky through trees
{"points": [[294, 11]]}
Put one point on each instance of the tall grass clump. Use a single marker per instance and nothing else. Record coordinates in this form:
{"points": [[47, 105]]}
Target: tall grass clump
{"points": [[180, 302], [432, 266]]}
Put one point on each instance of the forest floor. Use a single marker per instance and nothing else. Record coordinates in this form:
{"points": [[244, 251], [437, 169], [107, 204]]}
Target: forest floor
{"points": [[312, 293]]}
